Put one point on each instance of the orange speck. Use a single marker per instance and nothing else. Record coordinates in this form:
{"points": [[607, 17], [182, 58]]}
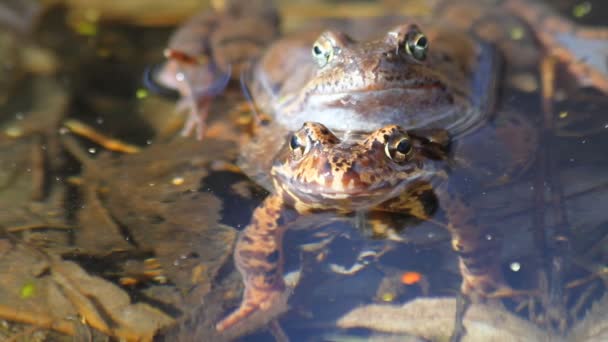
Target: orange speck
{"points": [[411, 278], [128, 281]]}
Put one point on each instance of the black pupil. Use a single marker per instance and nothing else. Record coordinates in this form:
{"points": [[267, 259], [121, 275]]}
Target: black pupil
{"points": [[294, 143], [421, 42], [317, 50], [404, 146]]}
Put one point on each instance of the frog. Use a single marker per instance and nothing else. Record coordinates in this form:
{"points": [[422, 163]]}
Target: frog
{"points": [[364, 85], [367, 84], [469, 40], [439, 71], [390, 171], [210, 50]]}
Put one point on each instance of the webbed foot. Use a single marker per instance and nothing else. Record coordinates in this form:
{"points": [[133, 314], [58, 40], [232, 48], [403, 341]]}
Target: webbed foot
{"points": [[196, 121], [259, 258], [257, 309]]}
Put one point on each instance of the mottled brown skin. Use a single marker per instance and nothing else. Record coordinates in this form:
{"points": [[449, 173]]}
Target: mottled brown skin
{"points": [[389, 170]]}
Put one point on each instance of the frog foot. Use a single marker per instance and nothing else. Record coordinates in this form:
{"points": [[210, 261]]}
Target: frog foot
{"points": [[258, 308], [483, 286], [197, 118]]}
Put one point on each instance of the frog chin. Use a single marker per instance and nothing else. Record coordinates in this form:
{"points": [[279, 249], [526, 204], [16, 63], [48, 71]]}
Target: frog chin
{"points": [[353, 199], [370, 110]]}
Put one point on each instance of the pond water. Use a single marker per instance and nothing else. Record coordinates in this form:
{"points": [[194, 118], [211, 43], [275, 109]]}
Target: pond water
{"points": [[114, 224]]}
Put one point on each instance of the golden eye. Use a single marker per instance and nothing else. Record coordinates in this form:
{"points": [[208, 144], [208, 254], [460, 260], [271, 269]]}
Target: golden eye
{"points": [[416, 44], [322, 52], [299, 145], [399, 150]]}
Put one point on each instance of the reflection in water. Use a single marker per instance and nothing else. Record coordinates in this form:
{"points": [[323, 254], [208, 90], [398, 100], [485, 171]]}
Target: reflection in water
{"points": [[131, 243]]}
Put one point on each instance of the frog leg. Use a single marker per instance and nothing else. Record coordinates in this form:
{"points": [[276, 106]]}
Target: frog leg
{"points": [[479, 256], [250, 117], [198, 112], [418, 202], [201, 81], [583, 50], [477, 249], [258, 116], [258, 257]]}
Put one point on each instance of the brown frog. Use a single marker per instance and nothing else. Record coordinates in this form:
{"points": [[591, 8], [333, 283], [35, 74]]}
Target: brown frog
{"points": [[441, 73], [389, 170], [367, 84], [435, 78], [209, 50]]}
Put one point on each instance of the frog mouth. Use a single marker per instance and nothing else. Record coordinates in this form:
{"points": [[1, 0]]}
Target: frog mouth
{"points": [[380, 89], [415, 97], [346, 198]]}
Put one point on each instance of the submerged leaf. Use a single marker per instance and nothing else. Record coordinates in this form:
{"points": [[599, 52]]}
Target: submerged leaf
{"points": [[433, 319]]}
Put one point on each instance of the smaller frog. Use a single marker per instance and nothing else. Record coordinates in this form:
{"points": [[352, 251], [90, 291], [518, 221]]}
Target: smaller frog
{"points": [[209, 50], [389, 170]]}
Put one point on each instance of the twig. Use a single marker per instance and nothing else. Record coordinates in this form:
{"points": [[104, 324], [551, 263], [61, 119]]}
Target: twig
{"points": [[37, 226], [88, 132]]}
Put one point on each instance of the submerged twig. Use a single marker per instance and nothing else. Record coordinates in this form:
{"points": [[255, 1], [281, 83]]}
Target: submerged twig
{"points": [[38, 169], [39, 226], [582, 300], [90, 133], [47, 322]]}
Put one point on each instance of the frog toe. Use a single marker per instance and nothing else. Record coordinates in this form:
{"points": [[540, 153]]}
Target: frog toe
{"points": [[256, 310]]}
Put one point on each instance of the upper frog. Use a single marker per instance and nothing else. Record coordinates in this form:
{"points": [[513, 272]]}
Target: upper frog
{"points": [[442, 75], [412, 76]]}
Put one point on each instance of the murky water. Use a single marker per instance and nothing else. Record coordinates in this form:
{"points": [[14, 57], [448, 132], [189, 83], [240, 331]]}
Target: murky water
{"points": [[109, 216]]}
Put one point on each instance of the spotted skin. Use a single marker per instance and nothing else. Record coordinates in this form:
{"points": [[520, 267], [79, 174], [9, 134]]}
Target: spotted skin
{"points": [[259, 258], [389, 170], [369, 84]]}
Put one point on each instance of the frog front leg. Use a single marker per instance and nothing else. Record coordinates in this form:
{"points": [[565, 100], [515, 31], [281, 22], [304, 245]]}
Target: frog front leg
{"points": [[258, 257], [478, 250], [198, 80]]}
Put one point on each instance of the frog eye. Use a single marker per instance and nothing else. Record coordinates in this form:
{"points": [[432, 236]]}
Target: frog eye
{"points": [[322, 52], [417, 45], [399, 150], [299, 145]]}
